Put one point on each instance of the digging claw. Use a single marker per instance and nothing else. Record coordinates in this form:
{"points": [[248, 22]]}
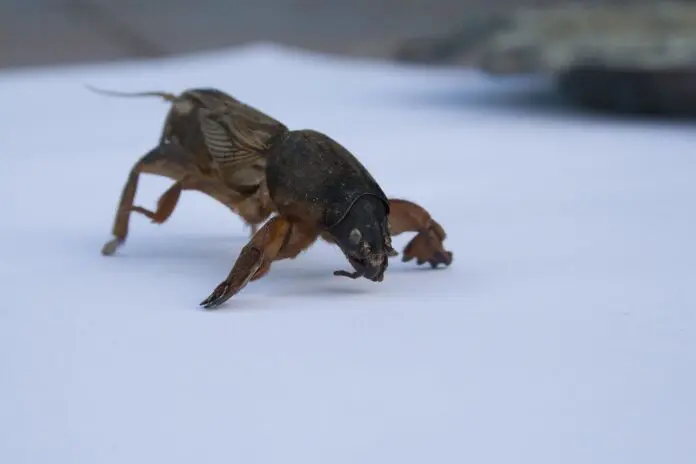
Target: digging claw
{"points": [[427, 248], [444, 258]]}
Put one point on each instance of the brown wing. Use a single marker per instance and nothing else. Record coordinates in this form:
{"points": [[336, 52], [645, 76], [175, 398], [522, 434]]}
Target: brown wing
{"points": [[219, 101], [232, 139], [238, 145]]}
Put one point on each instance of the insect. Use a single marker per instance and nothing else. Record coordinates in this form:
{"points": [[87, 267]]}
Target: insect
{"points": [[257, 167]]}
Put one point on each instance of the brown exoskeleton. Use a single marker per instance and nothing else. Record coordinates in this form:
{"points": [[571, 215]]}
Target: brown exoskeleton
{"points": [[254, 165]]}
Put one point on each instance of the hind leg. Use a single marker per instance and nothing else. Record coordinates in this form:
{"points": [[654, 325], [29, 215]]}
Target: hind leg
{"points": [[167, 160]]}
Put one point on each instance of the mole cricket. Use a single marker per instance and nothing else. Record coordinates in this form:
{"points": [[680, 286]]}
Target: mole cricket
{"points": [[257, 167]]}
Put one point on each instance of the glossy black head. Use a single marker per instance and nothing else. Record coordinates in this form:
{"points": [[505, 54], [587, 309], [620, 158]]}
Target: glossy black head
{"points": [[363, 236]]}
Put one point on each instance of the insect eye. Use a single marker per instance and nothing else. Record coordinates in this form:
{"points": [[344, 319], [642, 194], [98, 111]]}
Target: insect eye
{"points": [[355, 236]]}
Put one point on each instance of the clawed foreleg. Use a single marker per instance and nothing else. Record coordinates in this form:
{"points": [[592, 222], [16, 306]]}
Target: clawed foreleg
{"points": [[427, 245]]}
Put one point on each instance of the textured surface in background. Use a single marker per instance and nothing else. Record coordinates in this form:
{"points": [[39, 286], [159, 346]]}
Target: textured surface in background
{"points": [[41, 32]]}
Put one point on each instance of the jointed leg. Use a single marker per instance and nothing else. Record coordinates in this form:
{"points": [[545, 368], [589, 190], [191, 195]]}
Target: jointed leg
{"points": [[426, 246], [120, 227], [165, 205], [277, 239], [251, 210], [174, 162], [165, 160]]}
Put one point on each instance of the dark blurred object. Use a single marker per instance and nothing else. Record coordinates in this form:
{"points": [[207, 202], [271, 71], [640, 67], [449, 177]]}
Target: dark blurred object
{"points": [[633, 91], [638, 59], [455, 47]]}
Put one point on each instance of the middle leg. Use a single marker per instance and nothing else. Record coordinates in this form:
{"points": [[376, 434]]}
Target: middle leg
{"points": [[252, 210], [165, 204]]}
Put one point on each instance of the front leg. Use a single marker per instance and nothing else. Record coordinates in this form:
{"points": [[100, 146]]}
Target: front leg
{"points": [[278, 239], [406, 216]]}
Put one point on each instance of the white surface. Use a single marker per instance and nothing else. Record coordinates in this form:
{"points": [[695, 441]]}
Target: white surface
{"points": [[564, 332]]}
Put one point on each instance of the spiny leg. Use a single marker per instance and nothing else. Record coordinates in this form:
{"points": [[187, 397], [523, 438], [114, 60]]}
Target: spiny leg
{"points": [[426, 246], [166, 160], [278, 239]]}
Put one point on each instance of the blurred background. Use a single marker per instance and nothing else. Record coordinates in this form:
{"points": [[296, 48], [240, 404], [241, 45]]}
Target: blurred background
{"points": [[48, 32], [634, 56]]}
